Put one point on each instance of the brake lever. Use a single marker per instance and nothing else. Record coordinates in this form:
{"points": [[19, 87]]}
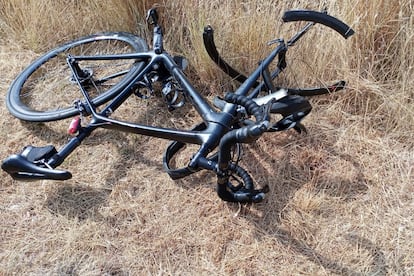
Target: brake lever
{"points": [[266, 109], [288, 122]]}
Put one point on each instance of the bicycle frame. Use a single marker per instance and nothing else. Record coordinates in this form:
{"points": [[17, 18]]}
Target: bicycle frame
{"points": [[216, 123], [222, 129]]}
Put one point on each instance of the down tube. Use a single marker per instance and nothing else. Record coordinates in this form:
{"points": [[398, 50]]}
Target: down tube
{"points": [[192, 137]]}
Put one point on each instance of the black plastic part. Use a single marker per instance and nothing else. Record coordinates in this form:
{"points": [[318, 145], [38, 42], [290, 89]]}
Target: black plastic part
{"points": [[293, 108], [308, 92], [252, 108], [30, 165], [241, 196], [291, 104], [208, 38], [240, 193], [37, 153], [171, 150], [181, 61], [319, 17], [299, 127], [178, 173]]}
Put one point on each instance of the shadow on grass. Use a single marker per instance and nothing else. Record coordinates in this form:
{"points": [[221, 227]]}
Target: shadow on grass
{"points": [[379, 266], [77, 202], [55, 133], [283, 176], [282, 191]]}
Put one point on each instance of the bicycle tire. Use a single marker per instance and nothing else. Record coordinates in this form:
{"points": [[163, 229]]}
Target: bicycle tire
{"points": [[209, 44], [46, 81], [321, 18], [317, 91]]}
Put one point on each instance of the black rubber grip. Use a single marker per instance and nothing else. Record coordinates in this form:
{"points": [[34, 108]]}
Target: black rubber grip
{"points": [[321, 18], [251, 106]]}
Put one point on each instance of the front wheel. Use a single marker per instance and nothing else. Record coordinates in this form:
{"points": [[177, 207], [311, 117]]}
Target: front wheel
{"points": [[46, 91]]}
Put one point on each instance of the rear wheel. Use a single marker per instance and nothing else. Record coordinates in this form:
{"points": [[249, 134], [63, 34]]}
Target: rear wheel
{"points": [[303, 74], [46, 90]]}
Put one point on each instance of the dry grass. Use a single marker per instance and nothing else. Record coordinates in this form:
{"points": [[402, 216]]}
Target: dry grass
{"points": [[341, 197]]}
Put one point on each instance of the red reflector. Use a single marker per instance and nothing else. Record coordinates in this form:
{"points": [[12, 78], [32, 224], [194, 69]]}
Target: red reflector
{"points": [[74, 126]]}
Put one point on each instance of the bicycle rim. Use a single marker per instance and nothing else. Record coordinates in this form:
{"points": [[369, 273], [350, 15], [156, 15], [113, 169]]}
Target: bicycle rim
{"points": [[46, 90]]}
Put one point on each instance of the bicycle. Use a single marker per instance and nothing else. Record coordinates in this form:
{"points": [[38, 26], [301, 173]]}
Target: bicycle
{"points": [[237, 118]]}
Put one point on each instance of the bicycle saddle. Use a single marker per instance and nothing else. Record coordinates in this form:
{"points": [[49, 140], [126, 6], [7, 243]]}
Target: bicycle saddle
{"points": [[31, 164]]}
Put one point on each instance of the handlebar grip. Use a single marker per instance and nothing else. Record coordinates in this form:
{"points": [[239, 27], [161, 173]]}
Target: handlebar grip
{"points": [[251, 106], [319, 17]]}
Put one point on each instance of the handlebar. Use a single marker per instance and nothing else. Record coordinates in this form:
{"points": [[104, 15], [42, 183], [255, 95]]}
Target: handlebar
{"points": [[245, 134], [321, 18], [252, 108]]}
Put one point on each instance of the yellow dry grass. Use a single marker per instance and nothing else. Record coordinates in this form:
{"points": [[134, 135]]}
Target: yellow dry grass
{"points": [[341, 200]]}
